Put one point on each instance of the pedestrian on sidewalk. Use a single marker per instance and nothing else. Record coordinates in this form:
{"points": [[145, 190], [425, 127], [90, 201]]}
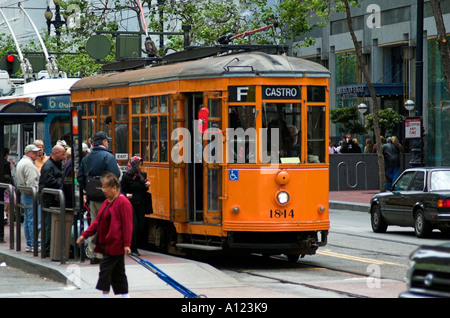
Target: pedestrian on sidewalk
{"points": [[134, 185], [114, 227], [99, 160], [28, 176], [5, 177], [52, 178], [391, 154]]}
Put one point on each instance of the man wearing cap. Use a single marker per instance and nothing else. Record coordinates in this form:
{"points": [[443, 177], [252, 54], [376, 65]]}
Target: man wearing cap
{"points": [[28, 175], [99, 161]]}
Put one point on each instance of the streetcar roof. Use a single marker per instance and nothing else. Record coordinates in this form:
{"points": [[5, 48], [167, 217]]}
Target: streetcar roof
{"points": [[253, 64]]}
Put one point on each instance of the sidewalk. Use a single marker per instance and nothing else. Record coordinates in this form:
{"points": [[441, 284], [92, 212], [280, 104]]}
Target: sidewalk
{"points": [[358, 200], [200, 278]]}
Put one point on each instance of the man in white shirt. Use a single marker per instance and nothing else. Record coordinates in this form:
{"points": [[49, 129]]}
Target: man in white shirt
{"points": [[28, 175]]}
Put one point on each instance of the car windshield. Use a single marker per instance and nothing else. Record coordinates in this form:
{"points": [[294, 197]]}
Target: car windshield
{"points": [[440, 180]]}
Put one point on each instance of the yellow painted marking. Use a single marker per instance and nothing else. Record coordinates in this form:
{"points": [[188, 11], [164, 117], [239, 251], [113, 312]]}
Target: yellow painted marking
{"points": [[356, 258]]}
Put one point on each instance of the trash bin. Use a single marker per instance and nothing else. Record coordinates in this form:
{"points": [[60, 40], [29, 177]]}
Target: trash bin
{"points": [[55, 240]]}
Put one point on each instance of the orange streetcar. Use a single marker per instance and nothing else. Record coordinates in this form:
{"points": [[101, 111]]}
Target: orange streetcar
{"points": [[235, 147]]}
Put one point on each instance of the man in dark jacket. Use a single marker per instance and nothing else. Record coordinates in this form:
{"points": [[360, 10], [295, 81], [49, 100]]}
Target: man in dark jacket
{"points": [[51, 177], [348, 146], [99, 161], [391, 155]]}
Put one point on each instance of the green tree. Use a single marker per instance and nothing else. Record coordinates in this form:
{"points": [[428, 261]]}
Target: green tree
{"points": [[348, 118], [388, 120]]}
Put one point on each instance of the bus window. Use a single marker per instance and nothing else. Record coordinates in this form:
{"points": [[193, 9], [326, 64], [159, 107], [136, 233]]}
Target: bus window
{"points": [[241, 134], [286, 117], [316, 134]]}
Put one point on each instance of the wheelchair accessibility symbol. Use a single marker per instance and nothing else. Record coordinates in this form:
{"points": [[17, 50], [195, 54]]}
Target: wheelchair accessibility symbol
{"points": [[233, 175]]}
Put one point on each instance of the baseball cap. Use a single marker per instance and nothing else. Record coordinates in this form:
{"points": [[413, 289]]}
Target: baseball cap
{"points": [[31, 147], [100, 136]]}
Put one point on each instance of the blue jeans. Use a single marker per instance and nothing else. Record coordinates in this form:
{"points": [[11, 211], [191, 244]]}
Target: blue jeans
{"points": [[27, 199], [393, 173]]}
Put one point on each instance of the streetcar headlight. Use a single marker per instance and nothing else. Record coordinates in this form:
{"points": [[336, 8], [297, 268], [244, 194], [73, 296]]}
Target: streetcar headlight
{"points": [[283, 197]]}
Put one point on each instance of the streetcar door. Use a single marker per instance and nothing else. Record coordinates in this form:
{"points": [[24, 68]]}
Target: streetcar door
{"points": [[194, 102], [118, 128], [180, 149], [212, 159], [204, 172]]}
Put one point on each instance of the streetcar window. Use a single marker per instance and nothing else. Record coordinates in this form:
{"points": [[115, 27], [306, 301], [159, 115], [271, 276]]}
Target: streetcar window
{"points": [[163, 104], [121, 127], [91, 109], [163, 138], [215, 107], [241, 134], [144, 139], [135, 137], [154, 138], [153, 104], [285, 120], [316, 94], [214, 187], [316, 134]]}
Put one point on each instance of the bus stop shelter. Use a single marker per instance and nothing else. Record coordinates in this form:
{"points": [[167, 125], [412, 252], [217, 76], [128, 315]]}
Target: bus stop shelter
{"points": [[17, 113]]}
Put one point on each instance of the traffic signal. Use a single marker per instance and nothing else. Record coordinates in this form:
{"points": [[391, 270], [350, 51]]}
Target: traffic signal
{"points": [[10, 63]]}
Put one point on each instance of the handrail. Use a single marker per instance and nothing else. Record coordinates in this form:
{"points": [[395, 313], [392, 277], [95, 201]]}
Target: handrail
{"points": [[62, 212], [33, 192], [10, 188]]}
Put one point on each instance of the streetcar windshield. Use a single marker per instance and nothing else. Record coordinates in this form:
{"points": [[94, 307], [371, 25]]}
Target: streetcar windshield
{"points": [[283, 119], [242, 146]]}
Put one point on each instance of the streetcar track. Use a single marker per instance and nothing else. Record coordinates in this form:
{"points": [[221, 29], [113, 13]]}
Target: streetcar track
{"points": [[284, 281], [378, 239], [362, 250]]}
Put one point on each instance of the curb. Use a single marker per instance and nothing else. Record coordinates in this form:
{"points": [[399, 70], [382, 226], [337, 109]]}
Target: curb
{"points": [[342, 205], [33, 266]]}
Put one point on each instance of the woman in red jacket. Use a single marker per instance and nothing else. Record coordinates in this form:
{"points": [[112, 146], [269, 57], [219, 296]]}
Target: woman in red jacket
{"points": [[114, 226]]}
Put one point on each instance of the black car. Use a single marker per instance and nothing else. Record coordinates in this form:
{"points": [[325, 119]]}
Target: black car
{"points": [[420, 198], [429, 273]]}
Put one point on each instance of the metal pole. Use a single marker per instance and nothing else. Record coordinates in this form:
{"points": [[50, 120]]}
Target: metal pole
{"points": [[419, 70], [9, 187]]}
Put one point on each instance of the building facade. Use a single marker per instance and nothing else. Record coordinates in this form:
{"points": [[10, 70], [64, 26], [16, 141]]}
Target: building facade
{"points": [[387, 32]]}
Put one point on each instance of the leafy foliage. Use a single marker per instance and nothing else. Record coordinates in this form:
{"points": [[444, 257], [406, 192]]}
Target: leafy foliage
{"points": [[388, 120], [348, 118]]}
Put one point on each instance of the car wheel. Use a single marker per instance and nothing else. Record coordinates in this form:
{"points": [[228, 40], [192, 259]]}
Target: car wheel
{"points": [[377, 220], [422, 227]]}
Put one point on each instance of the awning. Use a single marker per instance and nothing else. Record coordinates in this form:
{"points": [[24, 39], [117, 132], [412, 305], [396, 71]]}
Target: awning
{"points": [[20, 113], [361, 90]]}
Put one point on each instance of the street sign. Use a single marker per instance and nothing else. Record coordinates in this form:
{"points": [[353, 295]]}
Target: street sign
{"points": [[413, 128]]}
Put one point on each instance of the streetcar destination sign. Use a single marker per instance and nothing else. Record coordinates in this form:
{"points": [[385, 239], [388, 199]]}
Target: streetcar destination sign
{"points": [[281, 92], [241, 94]]}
